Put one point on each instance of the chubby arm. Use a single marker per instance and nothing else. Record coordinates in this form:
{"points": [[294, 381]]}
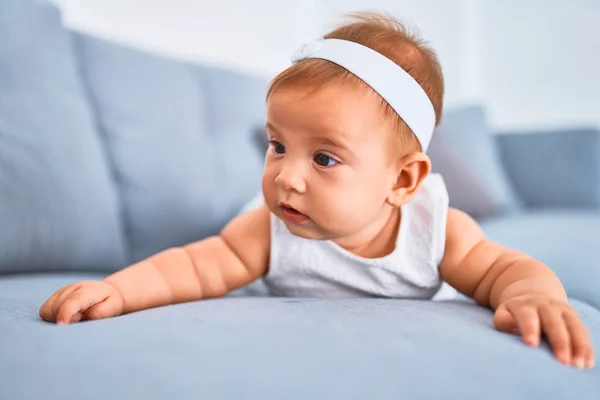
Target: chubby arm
{"points": [[488, 272], [205, 269], [527, 296]]}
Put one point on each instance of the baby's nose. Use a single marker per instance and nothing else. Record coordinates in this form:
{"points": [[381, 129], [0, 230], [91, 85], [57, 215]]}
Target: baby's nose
{"points": [[291, 179]]}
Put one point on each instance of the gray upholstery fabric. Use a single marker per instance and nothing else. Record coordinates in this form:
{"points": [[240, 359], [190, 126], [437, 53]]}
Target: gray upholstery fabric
{"points": [[554, 169], [567, 241], [58, 206], [257, 348], [463, 150], [179, 138]]}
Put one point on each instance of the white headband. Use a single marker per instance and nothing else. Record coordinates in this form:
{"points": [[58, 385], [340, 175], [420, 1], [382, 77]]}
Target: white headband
{"points": [[387, 78]]}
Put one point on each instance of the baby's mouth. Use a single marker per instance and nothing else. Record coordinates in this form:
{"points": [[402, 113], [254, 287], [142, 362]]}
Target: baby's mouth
{"points": [[292, 215]]}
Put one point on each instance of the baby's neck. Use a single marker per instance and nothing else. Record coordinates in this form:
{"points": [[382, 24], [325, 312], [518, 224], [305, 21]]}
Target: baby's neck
{"points": [[377, 240]]}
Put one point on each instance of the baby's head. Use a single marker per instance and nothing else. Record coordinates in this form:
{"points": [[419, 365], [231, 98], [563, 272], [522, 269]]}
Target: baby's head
{"points": [[341, 160]]}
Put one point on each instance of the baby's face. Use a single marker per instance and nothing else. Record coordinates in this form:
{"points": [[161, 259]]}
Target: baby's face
{"points": [[329, 168]]}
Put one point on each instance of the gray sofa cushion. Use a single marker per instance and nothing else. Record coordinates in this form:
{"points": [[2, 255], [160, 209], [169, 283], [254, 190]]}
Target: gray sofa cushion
{"points": [[463, 150], [276, 348], [58, 205], [179, 139], [567, 241], [554, 169]]}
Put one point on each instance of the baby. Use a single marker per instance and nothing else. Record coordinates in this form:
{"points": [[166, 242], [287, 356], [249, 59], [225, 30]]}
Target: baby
{"points": [[349, 205]]}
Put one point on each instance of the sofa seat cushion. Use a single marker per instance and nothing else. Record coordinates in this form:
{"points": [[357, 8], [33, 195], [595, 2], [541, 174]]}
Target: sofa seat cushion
{"points": [[256, 348]]}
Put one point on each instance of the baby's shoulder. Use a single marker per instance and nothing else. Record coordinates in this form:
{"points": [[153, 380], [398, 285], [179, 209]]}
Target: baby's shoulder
{"points": [[276, 225], [248, 236]]}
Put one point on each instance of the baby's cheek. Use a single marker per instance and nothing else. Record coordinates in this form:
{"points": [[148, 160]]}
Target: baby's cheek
{"points": [[368, 199], [347, 206], [267, 185]]}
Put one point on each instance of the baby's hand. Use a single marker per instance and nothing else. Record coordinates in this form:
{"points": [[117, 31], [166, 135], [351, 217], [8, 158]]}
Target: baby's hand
{"points": [[567, 335], [82, 300]]}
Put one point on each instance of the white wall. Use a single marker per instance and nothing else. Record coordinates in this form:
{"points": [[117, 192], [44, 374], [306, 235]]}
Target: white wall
{"points": [[257, 36], [534, 63], [541, 62]]}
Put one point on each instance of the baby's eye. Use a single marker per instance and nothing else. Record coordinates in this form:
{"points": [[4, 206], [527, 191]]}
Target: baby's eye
{"points": [[324, 160], [278, 148]]}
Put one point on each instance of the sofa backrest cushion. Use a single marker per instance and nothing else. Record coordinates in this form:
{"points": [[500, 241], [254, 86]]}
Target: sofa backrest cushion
{"points": [[59, 208], [179, 138]]}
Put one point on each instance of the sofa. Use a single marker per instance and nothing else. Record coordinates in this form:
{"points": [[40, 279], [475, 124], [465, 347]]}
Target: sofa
{"points": [[109, 154]]}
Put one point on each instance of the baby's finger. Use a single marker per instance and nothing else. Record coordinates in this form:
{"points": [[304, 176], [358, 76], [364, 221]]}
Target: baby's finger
{"points": [[76, 303], [109, 307], [77, 317], [106, 308], [47, 309], [528, 322], [61, 297], [504, 320], [581, 343], [555, 328]]}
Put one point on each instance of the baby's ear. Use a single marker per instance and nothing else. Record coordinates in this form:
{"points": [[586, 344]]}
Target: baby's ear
{"points": [[411, 171]]}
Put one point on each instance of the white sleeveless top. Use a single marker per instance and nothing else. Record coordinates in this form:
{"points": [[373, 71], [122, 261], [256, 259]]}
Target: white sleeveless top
{"points": [[317, 268]]}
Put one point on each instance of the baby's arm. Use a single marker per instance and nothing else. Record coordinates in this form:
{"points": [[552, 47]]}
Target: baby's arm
{"points": [[205, 269], [527, 296]]}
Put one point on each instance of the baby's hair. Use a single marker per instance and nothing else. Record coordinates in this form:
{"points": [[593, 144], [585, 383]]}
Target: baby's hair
{"points": [[389, 37]]}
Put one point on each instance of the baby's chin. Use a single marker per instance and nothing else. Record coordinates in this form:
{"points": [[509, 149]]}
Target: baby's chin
{"points": [[309, 230]]}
